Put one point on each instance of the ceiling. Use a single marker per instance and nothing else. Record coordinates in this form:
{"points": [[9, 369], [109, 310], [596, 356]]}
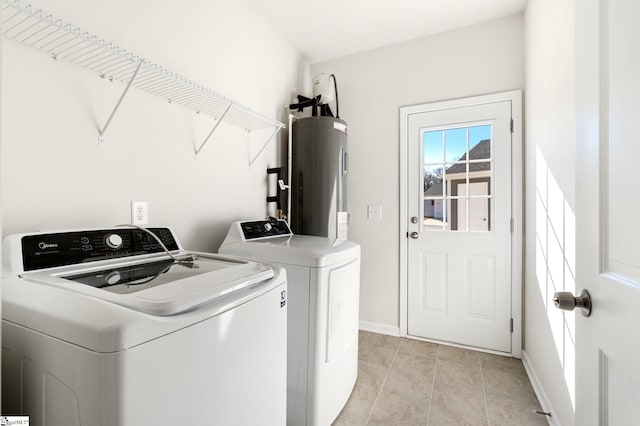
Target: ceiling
{"points": [[327, 29]]}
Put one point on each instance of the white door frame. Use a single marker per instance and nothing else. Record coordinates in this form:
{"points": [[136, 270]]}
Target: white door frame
{"points": [[517, 191]]}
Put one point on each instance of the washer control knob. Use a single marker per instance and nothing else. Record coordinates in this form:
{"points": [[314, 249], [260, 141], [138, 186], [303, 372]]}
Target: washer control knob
{"points": [[112, 278], [113, 241], [268, 227]]}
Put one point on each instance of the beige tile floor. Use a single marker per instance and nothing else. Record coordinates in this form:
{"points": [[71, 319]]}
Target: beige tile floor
{"points": [[409, 382]]}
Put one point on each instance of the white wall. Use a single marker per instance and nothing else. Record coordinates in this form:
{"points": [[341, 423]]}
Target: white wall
{"points": [[550, 200], [373, 85], [54, 173]]}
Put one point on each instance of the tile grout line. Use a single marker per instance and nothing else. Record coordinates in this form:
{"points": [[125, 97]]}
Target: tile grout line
{"points": [[433, 384], [366, 337], [393, 360], [484, 391]]}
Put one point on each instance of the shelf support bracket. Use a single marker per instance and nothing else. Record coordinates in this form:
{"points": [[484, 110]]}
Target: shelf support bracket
{"points": [[115, 109], [255, 157], [214, 128]]}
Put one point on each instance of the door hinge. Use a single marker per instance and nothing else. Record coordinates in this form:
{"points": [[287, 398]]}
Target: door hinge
{"points": [[512, 125], [511, 225], [512, 325]]}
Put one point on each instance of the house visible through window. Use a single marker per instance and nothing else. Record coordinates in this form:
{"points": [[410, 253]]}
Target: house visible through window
{"points": [[457, 179]]}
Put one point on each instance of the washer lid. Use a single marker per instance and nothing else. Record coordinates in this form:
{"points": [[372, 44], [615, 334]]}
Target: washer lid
{"points": [[302, 250], [57, 309], [158, 286]]}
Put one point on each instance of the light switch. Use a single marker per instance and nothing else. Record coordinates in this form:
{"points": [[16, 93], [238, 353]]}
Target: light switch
{"points": [[374, 212]]}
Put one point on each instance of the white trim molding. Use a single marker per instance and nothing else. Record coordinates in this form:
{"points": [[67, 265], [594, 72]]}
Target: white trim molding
{"points": [[543, 399], [374, 327]]}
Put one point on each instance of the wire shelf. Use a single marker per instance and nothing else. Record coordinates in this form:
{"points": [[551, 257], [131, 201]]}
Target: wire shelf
{"points": [[62, 40]]}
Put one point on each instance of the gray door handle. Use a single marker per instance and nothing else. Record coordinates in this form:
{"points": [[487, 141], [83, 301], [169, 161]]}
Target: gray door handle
{"points": [[568, 302], [414, 235]]}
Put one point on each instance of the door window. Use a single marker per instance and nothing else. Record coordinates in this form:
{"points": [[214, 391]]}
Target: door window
{"points": [[457, 178]]}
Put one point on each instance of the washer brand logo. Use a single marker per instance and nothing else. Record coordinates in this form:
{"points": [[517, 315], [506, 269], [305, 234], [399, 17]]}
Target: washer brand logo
{"points": [[14, 420], [283, 298], [43, 246]]}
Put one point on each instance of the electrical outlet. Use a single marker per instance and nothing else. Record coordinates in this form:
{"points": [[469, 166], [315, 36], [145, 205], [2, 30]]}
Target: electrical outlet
{"points": [[139, 213]]}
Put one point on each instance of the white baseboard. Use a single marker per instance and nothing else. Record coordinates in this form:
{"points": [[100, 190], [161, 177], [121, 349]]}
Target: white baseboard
{"points": [[374, 327], [544, 400]]}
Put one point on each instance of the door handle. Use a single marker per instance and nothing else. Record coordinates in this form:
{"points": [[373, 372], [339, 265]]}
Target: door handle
{"points": [[414, 219], [414, 235], [568, 302]]}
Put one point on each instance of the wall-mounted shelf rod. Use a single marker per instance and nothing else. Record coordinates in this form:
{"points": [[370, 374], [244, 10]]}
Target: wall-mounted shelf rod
{"points": [[62, 40], [214, 129], [104, 129], [255, 157]]}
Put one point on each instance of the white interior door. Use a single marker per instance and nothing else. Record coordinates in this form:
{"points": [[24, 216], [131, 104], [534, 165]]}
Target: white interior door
{"points": [[459, 262], [607, 206]]}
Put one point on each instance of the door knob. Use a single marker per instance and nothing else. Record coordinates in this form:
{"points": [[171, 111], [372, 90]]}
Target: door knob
{"points": [[414, 219], [568, 302], [414, 235]]}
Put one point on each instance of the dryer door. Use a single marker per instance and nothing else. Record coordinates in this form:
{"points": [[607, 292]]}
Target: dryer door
{"points": [[335, 357], [343, 297]]}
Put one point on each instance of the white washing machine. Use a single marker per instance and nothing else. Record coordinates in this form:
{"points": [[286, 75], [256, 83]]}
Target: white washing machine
{"points": [[103, 327], [323, 294]]}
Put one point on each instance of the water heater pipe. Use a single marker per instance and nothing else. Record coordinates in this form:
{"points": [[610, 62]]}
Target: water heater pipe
{"points": [[289, 165]]}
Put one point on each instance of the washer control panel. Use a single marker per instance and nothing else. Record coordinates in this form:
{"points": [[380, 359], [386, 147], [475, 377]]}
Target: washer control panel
{"points": [[67, 248], [265, 228]]}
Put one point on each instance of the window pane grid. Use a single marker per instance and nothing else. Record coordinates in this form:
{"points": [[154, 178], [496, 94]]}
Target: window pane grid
{"points": [[457, 166], [461, 197]]}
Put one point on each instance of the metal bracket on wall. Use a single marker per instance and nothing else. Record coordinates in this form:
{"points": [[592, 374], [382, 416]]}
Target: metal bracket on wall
{"points": [[104, 129], [214, 129], [275, 132]]}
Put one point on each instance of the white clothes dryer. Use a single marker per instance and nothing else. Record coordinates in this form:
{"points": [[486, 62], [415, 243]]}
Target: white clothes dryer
{"points": [[323, 294], [103, 327]]}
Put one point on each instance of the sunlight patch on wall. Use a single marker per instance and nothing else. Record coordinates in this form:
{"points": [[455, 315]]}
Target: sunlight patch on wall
{"points": [[555, 263]]}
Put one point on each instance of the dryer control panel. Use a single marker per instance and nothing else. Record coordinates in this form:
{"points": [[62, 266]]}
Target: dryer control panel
{"points": [[265, 228]]}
